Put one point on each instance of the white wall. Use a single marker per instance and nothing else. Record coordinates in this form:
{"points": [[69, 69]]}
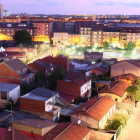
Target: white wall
{"points": [[15, 94], [86, 87], [80, 66]]}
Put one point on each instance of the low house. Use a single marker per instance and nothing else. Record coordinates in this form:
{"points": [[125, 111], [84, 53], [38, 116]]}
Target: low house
{"points": [[93, 56], [45, 130], [80, 64], [99, 84], [15, 71], [59, 61], [8, 91], [46, 68], [95, 112], [125, 67], [129, 78], [68, 131], [75, 84], [115, 90], [99, 71], [109, 61], [44, 103]]}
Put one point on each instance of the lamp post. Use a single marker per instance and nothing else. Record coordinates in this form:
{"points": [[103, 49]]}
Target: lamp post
{"points": [[11, 120]]}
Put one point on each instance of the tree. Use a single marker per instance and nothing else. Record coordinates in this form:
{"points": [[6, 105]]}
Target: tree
{"points": [[57, 75], [131, 46], [133, 92], [106, 45], [22, 37]]}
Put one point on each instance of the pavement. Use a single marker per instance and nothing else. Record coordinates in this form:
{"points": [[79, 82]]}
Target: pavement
{"points": [[132, 130]]}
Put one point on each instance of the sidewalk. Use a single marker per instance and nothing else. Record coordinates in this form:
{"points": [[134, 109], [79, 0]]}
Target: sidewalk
{"points": [[131, 120]]}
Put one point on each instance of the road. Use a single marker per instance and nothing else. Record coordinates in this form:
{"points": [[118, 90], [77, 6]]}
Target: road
{"points": [[132, 130]]}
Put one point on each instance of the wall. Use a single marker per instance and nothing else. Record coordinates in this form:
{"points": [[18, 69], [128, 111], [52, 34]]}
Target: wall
{"points": [[69, 87], [80, 66], [15, 94], [85, 120], [113, 96], [86, 87], [103, 121], [92, 58], [124, 68]]}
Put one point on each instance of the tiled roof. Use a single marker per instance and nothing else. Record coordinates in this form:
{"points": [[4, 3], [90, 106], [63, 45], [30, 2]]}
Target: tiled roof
{"points": [[100, 69], [45, 65], [3, 133], [80, 61], [118, 88], [17, 136], [129, 61], [67, 131], [15, 64], [36, 67], [73, 76], [97, 108], [67, 97], [128, 76]]}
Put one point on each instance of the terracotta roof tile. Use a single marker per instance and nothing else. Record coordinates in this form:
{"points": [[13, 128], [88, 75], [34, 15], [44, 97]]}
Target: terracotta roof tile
{"points": [[117, 88], [95, 107], [67, 131], [36, 67]]}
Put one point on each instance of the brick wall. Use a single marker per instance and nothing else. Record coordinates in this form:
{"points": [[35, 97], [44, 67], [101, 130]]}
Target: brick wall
{"points": [[68, 87]]}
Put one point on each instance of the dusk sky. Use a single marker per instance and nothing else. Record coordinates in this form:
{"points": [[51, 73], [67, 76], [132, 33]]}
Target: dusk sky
{"points": [[72, 6]]}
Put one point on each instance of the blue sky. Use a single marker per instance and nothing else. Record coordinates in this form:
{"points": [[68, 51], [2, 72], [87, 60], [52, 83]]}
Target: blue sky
{"points": [[73, 6]]}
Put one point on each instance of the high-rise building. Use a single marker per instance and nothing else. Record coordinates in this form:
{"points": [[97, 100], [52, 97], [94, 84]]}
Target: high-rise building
{"points": [[1, 11]]}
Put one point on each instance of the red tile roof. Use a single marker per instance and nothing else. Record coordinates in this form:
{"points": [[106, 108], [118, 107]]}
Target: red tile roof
{"points": [[100, 70], [67, 131], [67, 97], [118, 88], [128, 76], [3, 133], [16, 134], [96, 108], [36, 67]]}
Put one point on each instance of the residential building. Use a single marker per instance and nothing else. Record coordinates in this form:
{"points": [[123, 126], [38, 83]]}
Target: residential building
{"points": [[46, 68], [71, 131], [60, 38], [95, 112], [15, 71], [125, 67], [115, 90], [75, 84], [8, 91], [43, 31], [93, 56], [42, 102], [99, 71], [80, 64], [1, 11], [129, 78], [74, 39], [59, 61]]}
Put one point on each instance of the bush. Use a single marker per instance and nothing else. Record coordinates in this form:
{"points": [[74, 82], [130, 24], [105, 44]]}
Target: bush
{"points": [[116, 122]]}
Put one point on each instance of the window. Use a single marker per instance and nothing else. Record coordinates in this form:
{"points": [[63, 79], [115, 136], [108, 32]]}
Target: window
{"points": [[3, 95], [91, 57]]}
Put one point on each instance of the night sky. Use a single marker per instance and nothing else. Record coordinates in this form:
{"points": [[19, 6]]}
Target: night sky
{"points": [[72, 6]]}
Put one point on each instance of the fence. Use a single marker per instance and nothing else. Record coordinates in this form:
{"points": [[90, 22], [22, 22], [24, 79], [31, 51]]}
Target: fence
{"points": [[118, 132]]}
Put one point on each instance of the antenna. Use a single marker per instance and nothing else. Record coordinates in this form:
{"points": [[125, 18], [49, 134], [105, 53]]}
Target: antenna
{"points": [[79, 122]]}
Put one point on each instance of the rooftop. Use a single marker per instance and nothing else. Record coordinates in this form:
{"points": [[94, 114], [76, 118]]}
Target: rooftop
{"points": [[15, 64], [67, 131], [118, 88], [7, 87], [35, 123], [95, 107]]}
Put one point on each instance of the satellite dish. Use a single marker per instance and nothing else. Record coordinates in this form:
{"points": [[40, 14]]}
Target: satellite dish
{"points": [[79, 121]]}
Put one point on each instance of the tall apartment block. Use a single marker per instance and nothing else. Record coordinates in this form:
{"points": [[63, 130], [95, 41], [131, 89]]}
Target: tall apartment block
{"points": [[1, 11]]}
